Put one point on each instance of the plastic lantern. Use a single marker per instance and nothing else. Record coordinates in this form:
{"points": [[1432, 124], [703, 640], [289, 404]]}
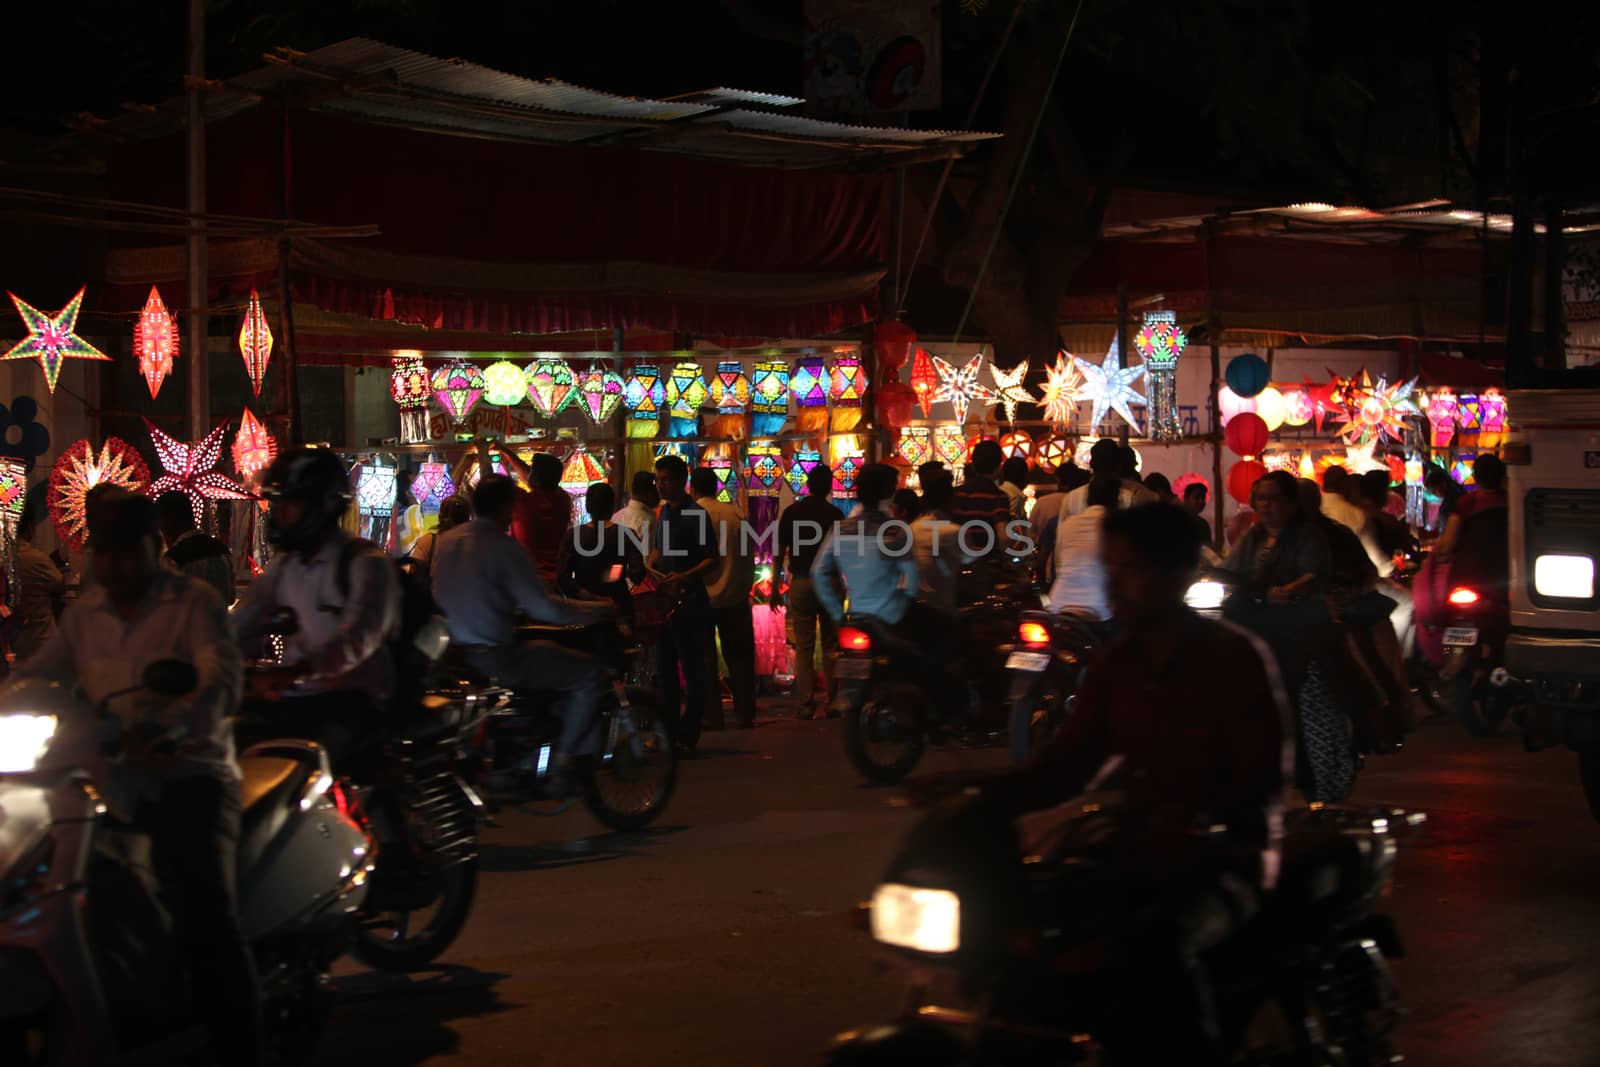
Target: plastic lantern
{"points": [[916, 445], [949, 447], [1017, 444], [79, 469], [686, 395], [1442, 410], [924, 381], [155, 342], [457, 387], [644, 396], [580, 471], [769, 397], [1246, 374], [730, 390], [253, 447], [191, 468], [1231, 404], [52, 339], [504, 385], [255, 342], [551, 385], [408, 388], [847, 389], [1052, 452], [1246, 434], [599, 393], [1272, 408], [1297, 407], [804, 462], [1242, 477], [895, 402], [1491, 418], [375, 491], [727, 478]]}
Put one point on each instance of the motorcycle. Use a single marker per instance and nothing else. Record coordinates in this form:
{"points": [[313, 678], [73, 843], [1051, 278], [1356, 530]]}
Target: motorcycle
{"points": [[1474, 640], [87, 962], [626, 784], [1006, 957], [896, 698], [1045, 665]]}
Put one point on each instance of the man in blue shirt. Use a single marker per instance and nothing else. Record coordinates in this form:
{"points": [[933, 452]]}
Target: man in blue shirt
{"points": [[871, 554], [683, 559]]}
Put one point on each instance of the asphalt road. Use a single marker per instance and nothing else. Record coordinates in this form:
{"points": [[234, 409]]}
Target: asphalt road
{"points": [[720, 939]]}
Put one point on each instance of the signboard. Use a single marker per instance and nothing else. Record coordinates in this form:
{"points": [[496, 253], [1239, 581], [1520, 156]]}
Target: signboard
{"points": [[872, 56]]}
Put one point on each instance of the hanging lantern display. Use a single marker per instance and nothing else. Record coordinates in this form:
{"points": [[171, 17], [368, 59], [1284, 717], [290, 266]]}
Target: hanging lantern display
{"points": [[1008, 388], [191, 468], [1469, 413], [551, 385], [1052, 452], [800, 468], [730, 389], [686, 395], [457, 387], [764, 462], [847, 388], [1161, 342], [504, 384], [1017, 444], [13, 498], [949, 447], [916, 445], [1278, 461], [432, 487], [769, 397], [960, 386], [375, 490], [253, 447], [1231, 404], [1415, 472], [155, 342], [1327, 400], [1247, 374], [52, 339], [1491, 418], [1442, 410], [408, 388], [1272, 408], [1462, 472], [255, 342], [79, 469], [809, 383], [892, 343], [1308, 470], [1297, 407], [1110, 387], [1242, 477], [846, 468], [727, 477], [581, 470], [644, 396], [599, 392], [1375, 411], [1246, 434], [924, 381], [1062, 387]]}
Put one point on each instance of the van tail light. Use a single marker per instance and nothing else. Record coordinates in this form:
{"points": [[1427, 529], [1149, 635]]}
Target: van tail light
{"points": [[1462, 597], [854, 640], [1034, 634]]}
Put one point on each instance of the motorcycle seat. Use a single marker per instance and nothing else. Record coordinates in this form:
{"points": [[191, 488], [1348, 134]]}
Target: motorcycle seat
{"points": [[261, 777]]}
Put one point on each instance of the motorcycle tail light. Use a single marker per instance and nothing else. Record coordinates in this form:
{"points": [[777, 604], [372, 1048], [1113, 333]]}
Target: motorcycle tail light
{"points": [[1034, 634], [1462, 597], [854, 640]]}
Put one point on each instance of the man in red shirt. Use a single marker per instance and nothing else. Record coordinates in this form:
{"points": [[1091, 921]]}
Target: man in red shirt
{"points": [[543, 512]]}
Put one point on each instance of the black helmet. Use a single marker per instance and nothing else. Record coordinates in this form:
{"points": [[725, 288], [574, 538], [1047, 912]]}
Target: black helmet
{"points": [[316, 476]]}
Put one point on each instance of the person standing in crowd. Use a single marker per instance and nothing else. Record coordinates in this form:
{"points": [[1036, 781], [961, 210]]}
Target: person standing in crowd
{"points": [[802, 528], [1078, 580], [683, 559], [638, 515], [935, 538], [1132, 491], [544, 510], [1195, 498], [1335, 500], [453, 511], [1047, 508], [599, 558], [728, 586], [39, 582], [871, 560], [1142, 494], [907, 504], [191, 552], [931, 467], [1014, 484], [1161, 486], [406, 525], [980, 498]]}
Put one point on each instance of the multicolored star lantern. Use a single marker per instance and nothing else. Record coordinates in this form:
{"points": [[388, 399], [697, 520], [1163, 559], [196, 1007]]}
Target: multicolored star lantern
{"points": [[1375, 411], [155, 342], [1009, 390], [192, 469], [924, 381], [551, 385], [1062, 385], [599, 392], [255, 342], [79, 469], [457, 387], [1110, 387], [1327, 400], [253, 447], [51, 338], [961, 386]]}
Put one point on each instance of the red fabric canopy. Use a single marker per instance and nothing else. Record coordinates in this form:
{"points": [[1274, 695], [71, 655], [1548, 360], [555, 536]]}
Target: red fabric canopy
{"points": [[487, 235]]}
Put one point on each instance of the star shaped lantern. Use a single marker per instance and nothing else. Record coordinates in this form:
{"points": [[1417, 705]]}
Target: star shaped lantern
{"points": [[960, 385], [1110, 387], [1062, 386], [79, 470], [1009, 390], [1373, 412], [253, 447], [255, 342], [155, 342], [51, 338], [191, 469]]}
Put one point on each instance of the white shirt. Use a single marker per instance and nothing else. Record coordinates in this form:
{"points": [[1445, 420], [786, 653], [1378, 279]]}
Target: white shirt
{"points": [[101, 652], [1342, 511], [935, 542], [640, 519], [1080, 583], [1132, 494], [342, 639], [729, 585], [482, 578]]}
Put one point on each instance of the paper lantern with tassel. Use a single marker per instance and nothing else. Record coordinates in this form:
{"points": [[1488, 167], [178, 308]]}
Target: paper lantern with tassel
{"points": [[765, 464], [845, 470], [1492, 418], [409, 389], [916, 445], [581, 470], [949, 446], [504, 386], [457, 387], [599, 393], [644, 396], [730, 389], [769, 397], [432, 487], [847, 389], [551, 385], [800, 467], [809, 383], [686, 394], [1442, 410], [727, 478]]}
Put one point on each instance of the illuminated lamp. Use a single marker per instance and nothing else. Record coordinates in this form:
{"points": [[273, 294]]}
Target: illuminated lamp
{"points": [[769, 397], [551, 385], [504, 384], [1272, 408], [960, 386], [915, 445], [192, 469], [810, 382], [1009, 390], [599, 392], [924, 381], [686, 395], [52, 338], [408, 388], [1080, 454], [845, 471], [1246, 434], [644, 396], [1062, 388], [1160, 341], [457, 387], [973, 442], [949, 446], [432, 487], [847, 384], [375, 490], [764, 462], [1492, 418], [1247, 374], [255, 342], [804, 462], [1414, 471], [1230, 404], [1052, 452], [155, 342], [727, 478], [1469, 415], [1443, 407], [1242, 477], [1017, 444], [1110, 387], [1297, 409], [78, 470], [730, 389], [253, 447]]}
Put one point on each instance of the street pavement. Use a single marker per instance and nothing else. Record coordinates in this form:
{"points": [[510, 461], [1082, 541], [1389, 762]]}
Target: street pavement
{"points": [[720, 938]]}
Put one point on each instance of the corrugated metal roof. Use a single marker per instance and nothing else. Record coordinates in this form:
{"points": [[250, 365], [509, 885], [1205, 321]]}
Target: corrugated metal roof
{"points": [[370, 80]]}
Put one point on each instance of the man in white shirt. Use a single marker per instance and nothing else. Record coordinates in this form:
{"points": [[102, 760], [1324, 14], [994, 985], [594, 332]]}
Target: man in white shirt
{"points": [[482, 579], [1107, 453], [729, 590], [936, 541], [638, 516], [178, 761]]}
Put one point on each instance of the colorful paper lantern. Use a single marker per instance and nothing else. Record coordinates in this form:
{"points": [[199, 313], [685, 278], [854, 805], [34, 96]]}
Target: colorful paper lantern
{"points": [[1110, 387], [551, 385], [1272, 408], [949, 446], [432, 487], [769, 396], [892, 343], [727, 478], [1469, 413], [1414, 470], [924, 381], [1052, 452], [1327, 400], [255, 342], [457, 387], [686, 395], [78, 470], [1062, 389], [845, 471], [960, 386], [1297, 410], [253, 447], [1230, 404], [1462, 471], [809, 383], [191, 468], [408, 388], [504, 384], [730, 389], [1081, 453], [599, 392], [52, 338], [765, 464], [155, 342], [804, 462], [1017, 444], [643, 394], [1160, 341], [1243, 476], [13, 498], [1188, 478], [1491, 418], [1372, 412], [375, 490], [916, 445], [1246, 434], [582, 470], [1443, 407], [1008, 388], [1247, 374]]}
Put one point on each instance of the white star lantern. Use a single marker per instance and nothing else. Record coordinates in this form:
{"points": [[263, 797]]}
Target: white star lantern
{"points": [[192, 469], [1110, 386], [960, 386], [1061, 389], [1009, 390]]}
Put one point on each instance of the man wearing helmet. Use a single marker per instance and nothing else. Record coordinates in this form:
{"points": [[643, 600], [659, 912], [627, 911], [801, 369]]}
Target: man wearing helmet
{"points": [[337, 671]]}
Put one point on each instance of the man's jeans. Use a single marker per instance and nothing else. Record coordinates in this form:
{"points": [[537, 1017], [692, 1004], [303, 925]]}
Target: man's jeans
{"points": [[736, 630], [549, 667], [685, 640]]}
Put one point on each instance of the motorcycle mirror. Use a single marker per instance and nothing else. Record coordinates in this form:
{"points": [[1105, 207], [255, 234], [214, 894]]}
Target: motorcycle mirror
{"points": [[171, 677], [283, 623]]}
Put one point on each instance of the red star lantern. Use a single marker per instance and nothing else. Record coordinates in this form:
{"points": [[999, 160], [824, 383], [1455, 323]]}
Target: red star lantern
{"points": [[924, 381], [155, 342], [255, 342], [192, 469], [253, 447]]}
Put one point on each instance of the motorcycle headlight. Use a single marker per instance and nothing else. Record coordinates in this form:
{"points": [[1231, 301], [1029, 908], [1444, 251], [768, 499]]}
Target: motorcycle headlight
{"points": [[924, 920], [1206, 595], [23, 739]]}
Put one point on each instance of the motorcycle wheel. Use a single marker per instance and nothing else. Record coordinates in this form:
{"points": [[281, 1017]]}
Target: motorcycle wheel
{"points": [[1481, 709], [628, 787], [1034, 721], [882, 743], [402, 949], [1589, 772]]}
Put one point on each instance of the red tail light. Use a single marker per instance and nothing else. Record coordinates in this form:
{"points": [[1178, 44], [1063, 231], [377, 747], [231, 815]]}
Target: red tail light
{"points": [[853, 640], [1034, 634], [1462, 597]]}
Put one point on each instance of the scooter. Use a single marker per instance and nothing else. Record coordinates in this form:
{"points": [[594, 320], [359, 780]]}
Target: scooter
{"points": [[1045, 666], [87, 963], [1474, 650]]}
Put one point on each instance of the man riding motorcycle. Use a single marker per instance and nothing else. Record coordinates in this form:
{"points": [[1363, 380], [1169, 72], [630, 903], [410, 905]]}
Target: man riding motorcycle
{"points": [[337, 672], [178, 762]]}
